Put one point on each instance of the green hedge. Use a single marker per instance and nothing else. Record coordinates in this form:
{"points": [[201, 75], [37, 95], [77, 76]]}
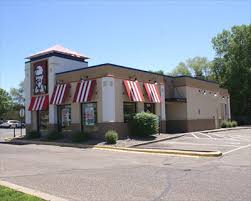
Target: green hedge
{"points": [[54, 135], [33, 134], [144, 124], [79, 137], [228, 124], [111, 137]]}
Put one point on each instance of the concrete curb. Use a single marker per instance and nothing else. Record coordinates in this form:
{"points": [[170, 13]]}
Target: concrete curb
{"points": [[163, 151], [127, 149], [223, 129], [62, 144], [154, 141], [29, 191]]}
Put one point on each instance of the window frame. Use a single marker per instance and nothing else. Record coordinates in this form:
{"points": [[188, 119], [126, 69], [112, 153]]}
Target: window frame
{"points": [[59, 117], [82, 118], [154, 107], [135, 108]]}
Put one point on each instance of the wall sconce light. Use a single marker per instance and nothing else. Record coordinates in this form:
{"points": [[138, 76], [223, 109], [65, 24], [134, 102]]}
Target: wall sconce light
{"points": [[204, 93], [215, 94], [155, 82], [223, 97]]}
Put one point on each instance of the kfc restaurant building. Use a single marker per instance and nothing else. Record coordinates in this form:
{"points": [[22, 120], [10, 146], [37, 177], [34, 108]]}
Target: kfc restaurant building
{"points": [[63, 93]]}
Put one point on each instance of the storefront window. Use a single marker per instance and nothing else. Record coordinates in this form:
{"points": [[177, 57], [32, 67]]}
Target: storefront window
{"points": [[89, 114], [43, 120], [129, 110], [149, 107], [64, 117]]}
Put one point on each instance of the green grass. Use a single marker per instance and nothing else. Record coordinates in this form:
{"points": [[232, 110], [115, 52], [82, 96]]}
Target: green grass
{"points": [[7, 194]]}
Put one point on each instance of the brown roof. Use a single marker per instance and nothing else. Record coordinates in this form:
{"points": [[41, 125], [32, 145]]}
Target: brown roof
{"points": [[58, 49]]}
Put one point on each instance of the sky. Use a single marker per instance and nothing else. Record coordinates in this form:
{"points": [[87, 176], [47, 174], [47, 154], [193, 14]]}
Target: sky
{"points": [[148, 35]]}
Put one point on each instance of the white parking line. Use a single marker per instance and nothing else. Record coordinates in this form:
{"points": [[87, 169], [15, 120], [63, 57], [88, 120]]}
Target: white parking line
{"points": [[222, 145], [194, 135], [236, 149], [207, 135]]}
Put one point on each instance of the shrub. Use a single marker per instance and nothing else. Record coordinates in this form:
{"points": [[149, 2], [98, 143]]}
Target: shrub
{"points": [[54, 135], [79, 137], [229, 124], [234, 123], [111, 137], [144, 124], [33, 134]]}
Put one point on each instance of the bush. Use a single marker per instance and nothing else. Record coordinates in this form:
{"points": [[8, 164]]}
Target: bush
{"points": [[111, 137], [79, 137], [234, 123], [228, 124], [144, 124], [33, 134], [54, 135]]}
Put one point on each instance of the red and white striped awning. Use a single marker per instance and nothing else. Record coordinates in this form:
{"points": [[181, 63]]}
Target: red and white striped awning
{"points": [[59, 94], [134, 91], [152, 92], [39, 103], [84, 91]]}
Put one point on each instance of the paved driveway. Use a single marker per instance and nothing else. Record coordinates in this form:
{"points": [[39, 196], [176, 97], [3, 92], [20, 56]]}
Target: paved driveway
{"points": [[224, 141], [9, 132], [89, 174]]}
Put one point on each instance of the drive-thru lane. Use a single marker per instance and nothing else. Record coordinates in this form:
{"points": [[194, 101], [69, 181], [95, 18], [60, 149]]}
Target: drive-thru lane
{"points": [[88, 174]]}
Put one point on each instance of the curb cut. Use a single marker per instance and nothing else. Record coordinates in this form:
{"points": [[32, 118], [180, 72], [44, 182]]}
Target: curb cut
{"points": [[154, 141], [163, 151], [29, 191]]}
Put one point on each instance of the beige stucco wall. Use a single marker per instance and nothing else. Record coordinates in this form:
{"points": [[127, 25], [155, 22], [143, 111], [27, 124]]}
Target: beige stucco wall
{"points": [[199, 105], [176, 111]]}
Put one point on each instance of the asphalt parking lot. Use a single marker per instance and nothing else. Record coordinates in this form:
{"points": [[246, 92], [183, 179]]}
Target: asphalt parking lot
{"points": [[9, 133], [102, 175], [224, 141]]}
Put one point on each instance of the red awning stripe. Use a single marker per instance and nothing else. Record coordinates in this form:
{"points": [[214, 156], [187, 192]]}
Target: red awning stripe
{"points": [[39, 103], [59, 94], [84, 91], [134, 91], [152, 92]]}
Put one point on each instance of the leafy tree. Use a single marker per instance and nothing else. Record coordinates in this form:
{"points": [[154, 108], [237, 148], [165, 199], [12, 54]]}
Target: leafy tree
{"points": [[181, 69], [17, 94], [5, 102], [157, 71], [232, 66], [197, 67]]}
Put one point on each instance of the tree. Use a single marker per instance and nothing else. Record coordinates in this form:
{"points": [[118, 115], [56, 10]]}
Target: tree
{"points": [[157, 71], [17, 94], [181, 69], [232, 66], [5, 102], [197, 67]]}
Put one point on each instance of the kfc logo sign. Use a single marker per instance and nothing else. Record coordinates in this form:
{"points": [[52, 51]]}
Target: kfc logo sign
{"points": [[40, 77]]}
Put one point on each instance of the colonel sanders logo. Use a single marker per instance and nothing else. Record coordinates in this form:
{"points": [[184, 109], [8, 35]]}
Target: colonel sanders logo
{"points": [[40, 78]]}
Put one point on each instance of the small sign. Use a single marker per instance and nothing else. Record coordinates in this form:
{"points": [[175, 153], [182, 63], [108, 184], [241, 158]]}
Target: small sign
{"points": [[21, 112]]}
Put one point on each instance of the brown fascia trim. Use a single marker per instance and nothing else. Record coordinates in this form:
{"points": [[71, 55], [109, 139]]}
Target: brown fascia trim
{"points": [[135, 69]]}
